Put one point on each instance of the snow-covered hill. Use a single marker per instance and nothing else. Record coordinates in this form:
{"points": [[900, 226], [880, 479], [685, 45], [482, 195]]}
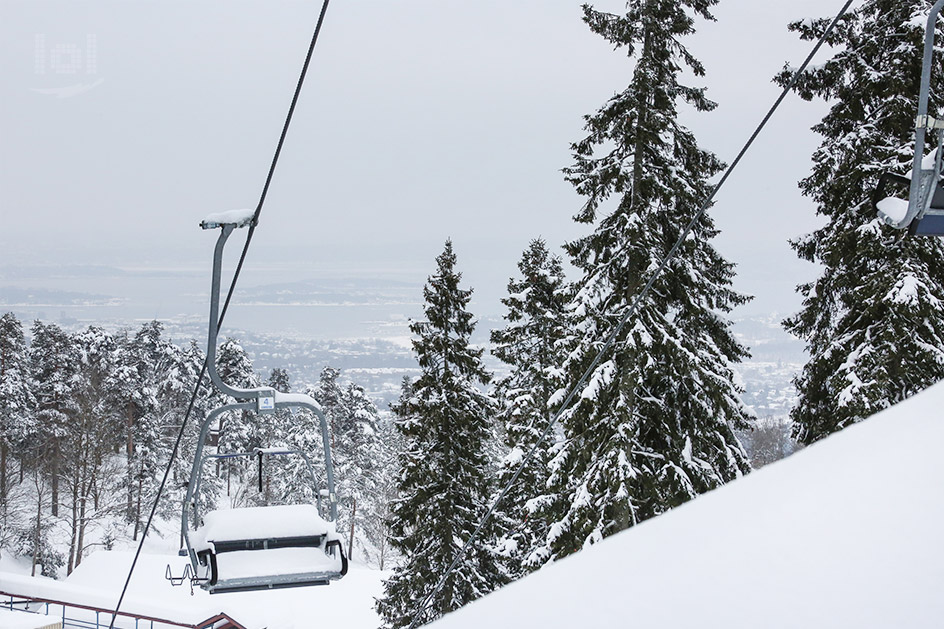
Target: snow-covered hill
{"points": [[846, 533]]}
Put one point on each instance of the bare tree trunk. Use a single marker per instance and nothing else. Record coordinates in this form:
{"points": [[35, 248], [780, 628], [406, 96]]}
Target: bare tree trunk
{"points": [[130, 453], [83, 520], [137, 510], [350, 543], [73, 539], [382, 547], [55, 479], [39, 521], [81, 541], [3, 472]]}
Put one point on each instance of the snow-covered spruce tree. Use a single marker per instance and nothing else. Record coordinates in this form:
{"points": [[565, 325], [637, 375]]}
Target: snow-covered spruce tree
{"points": [[377, 525], [94, 432], [54, 361], [183, 366], [328, 392], [239, 430], [874, 320], [283, 474], [445, 420], [357, 453], [360, 457], [16, 398], [654, 425], [531, 345], [141, 368]]}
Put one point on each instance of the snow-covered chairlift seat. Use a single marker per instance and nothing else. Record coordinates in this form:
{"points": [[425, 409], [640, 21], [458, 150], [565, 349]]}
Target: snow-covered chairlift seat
{"points": [[929, 220], [267, 548]]}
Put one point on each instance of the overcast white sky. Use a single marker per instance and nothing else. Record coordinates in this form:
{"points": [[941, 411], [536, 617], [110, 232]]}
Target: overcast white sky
{"points": [[123, 123]]}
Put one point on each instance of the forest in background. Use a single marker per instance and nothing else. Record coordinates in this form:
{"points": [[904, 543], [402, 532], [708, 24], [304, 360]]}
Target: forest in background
{"points": [[89, 421]]}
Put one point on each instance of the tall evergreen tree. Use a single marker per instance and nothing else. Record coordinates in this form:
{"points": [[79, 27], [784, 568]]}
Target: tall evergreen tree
{"points": [[531, 344], [445, 421], [239, 431], [874, 320], [654, 425], [183, 366], [16, 395], [328, 392], [144, 372], [92, 434], [54, 359], [360, 457]]}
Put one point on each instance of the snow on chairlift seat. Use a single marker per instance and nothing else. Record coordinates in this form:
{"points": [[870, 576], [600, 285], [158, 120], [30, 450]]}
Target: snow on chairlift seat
{"points": [[268, 547], [894, 210]]}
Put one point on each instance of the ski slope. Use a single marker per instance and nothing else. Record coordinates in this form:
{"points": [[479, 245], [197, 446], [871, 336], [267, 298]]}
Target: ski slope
{"points": [[344, 603], [847, 533]]}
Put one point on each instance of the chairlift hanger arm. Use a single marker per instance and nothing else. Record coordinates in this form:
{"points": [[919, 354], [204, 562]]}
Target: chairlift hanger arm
{"points": [[226, 229]]}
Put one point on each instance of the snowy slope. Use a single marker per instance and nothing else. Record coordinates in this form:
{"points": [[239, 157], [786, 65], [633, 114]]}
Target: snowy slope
{"points": [[345, 603], [848, 533], [98, 581]]}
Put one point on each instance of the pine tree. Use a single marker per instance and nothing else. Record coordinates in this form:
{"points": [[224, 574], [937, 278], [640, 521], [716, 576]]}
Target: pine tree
{"points": [[16, 396], [142, 370], [874, 320], [93, 432], [239, 430], [377, 522], [531, 344], [328, 393], [183, 366], [360, 470], [654, 425], [54, 361], [444, 418]]}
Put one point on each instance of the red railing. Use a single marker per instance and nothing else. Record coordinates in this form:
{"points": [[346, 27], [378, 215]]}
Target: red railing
{"points": [[19, 602]]}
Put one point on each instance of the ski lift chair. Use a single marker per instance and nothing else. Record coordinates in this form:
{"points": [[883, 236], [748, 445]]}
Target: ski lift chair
{"points": [[922, 214], [257, 548]]}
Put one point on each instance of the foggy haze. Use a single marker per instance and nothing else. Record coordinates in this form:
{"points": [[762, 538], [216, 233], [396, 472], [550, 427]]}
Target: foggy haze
{"points": [[123, 123]]}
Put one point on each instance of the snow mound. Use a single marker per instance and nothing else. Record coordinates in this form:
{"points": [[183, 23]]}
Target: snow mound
{"points": [[19, 620], [845, 533]]}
